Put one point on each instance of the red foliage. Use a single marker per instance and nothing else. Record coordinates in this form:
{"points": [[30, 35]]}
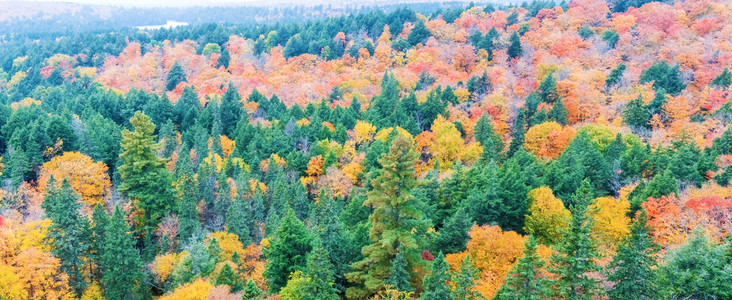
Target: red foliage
{"points": [[426, 255]]}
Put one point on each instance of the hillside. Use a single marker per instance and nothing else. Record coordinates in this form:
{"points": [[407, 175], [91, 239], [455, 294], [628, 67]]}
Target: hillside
{"points": [[546, 150]]}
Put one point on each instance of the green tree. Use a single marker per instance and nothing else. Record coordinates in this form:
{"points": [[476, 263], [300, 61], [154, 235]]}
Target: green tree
{"points": [[143, 173], [465, 281], [577, 254], [491, 142], [636, 114], [514, 48], [187, 197], [454, 235], [230, 110], [68, 235], [226, 276], [396, 215], [287, 252], [664, 77], [121, 261], [251, 291], [334, 237], [225, 58], [176, 75], [615, 75], [526, 281], [238, 218], [435, 284], [398, 275], [418, 34], [319, 273], [724, 80], [698, 269], [611, 37], [100, 219], [633, 267]]}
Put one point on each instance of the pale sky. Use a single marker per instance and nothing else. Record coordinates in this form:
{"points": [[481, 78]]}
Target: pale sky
{"points": [[184, 3]]}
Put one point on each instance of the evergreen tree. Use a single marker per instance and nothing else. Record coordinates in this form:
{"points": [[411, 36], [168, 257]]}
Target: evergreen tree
{"points": [[577, 254], [187, 197], [636, 114], [398, 275], [334, 238], [176, 75], [287, 251], [514, 49], [664, 77], [632, 268], [724, 80], [226, 276], [559, 112], [121, 261], [435, 284], [418, 34], [144, 177], [491, 142], [454, 235], [615, 75], [68, 235], [517, 132], [396, 215], [465, 281], [225, 58], [238, 218], [230, 110], [319, 273], [251, 291], [526, 281], [100, 219]]}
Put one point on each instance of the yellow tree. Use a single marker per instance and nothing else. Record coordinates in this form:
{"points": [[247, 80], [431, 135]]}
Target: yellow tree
{"points": [[88, 178], [548, 217], [611, 220]]}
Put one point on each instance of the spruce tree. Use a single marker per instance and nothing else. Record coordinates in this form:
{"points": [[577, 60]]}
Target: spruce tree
{"points": [[526, 281], [632, 268], [187, 197], [418, 34], [454, 235], [68, 235], [396, 216], [100, 219], [251, 291], [319, 272], [176, 75], [121, 261], [491, 142], [636, 114], [576, 257], [334, 238], [435, 284], [514, 49], [724, 80], [287, 251], [230, 110], [226, 276], [398, 275], [238, 218], [464, 281]]}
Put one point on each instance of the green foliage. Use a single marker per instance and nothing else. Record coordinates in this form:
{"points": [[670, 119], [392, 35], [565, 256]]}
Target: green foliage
{"points": [[632, 270], [615, 75], [514, 48], [663, 77], [120, 260], [611, 37], [226, 276], [723, 80], [636, 114], [577, 254], [176, 75], [319, 273], [698, 269], [453, 237], [435, 284], [527, 281], [465, 281], [398, 275], [68, 235], [419, 34], [287, 252], [585, 32]]}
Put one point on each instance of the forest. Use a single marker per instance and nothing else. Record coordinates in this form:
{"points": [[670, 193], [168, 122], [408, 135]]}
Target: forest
{"points": [[573, 150]]}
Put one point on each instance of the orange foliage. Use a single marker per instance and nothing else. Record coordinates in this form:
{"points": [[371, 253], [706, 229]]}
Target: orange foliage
{"points": [[88, 178]]}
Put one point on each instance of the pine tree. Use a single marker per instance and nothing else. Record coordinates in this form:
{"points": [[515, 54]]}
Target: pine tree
{"points": [[121, 261], [724, 80], [225, 58], [226, 276], [100, 219], [514, 49], [636, 114], [517, 132], [319, 273], [238, 218], [68, 235], [577, 254], [454, 235], [187, 197], [143, 173], [333, 236], [435, 284], [287, 251], [230, 110], [176, 75], [398, 275], [418, 34], [251, 291], [632, 268], [526, 281], [465, 281], [396, 215], [491, 142]]}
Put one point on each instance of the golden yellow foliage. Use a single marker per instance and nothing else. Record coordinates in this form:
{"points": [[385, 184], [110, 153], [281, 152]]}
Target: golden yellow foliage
{"points": [[197, 290], [10, 286], [228, 242], [364, 132], [93, 292], [547, 218], [611, 220], [163, 265], [88, 178]]}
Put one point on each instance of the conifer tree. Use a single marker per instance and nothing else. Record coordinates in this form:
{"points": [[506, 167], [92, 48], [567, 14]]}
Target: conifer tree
{"points": [[465, 281], [577, 254], [333, 236], [636, 114], [238, 218], [491, 142], [121, 261], [454, 235], [251, 291], [68, 235], [396, 215], [143, 173], [230, 110], [187, 197], [632, 268], [418, 34], [435, 284], [100, 219], [287, 251], [226, 276], [399, 276], [319, 273], [514, 49], [176, 75], [525, 282]]}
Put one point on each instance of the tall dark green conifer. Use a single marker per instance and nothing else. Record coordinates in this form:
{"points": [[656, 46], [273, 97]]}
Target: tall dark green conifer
{"points": [[238, 218], [632, 269], [465, 281], [287, 251], [525, 282], [319, 272], [435, 284], [176, 75], [514, 49], [121, 261], [68, 235], [577, 254]]}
